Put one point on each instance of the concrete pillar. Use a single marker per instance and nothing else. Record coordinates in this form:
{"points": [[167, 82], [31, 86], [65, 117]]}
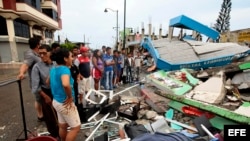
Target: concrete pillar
{"points": [[170, 32], [194, 34], [149, 30], [181, 33], [31, 24], [160, 31], [142, 31], [11, 33]]}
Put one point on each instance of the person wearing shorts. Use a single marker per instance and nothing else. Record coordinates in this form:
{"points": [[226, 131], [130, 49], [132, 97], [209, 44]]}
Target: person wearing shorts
{"points": [[62, 87], [98, 67], [83, 64]]}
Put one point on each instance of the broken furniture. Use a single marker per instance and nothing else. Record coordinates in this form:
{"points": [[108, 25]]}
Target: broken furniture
{"points": [[129, 112], [108, 104]]}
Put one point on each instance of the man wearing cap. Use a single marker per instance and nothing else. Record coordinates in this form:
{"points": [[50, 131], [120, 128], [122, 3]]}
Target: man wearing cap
{"points": [[83, 63]]}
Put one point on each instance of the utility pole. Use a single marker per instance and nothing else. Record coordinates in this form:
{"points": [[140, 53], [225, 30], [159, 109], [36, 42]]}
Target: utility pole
{"points": [[124, 26]]}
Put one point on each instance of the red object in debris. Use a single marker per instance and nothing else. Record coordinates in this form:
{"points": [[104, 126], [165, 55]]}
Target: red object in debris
{"points": [[196, 112], [183, 77], [42, 138]]}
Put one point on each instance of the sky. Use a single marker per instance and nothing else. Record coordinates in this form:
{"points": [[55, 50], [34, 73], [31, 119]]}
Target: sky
{"points": [[86, 19]]}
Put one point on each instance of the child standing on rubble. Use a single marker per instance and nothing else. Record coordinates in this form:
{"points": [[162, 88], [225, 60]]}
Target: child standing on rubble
{"points": [[129, 63], [138, 64]]}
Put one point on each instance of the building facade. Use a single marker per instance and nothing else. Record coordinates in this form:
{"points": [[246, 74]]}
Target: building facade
{"points": [[241, 36], [22, 19]]}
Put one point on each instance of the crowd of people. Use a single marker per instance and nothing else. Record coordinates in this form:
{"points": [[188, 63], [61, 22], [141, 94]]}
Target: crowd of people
{"points": [[60, 78]]}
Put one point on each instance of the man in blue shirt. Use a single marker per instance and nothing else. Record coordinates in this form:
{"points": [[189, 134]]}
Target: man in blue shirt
{"points": [[109, 62]]}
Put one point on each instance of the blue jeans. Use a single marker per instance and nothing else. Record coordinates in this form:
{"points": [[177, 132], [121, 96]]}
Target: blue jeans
{"points": [[103, 79], [108, 80]]}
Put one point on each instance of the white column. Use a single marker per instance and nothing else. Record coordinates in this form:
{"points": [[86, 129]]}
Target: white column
{"points": [[11, 33], [53, 35], [31, 24], [43, 33]]}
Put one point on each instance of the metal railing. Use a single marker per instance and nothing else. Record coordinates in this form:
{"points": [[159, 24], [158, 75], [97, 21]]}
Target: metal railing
{"points": [[21, 102]]}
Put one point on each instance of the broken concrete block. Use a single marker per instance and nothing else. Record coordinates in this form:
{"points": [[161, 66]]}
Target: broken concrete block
{"points": [[141, 113], [229, 82], [242, 80], [202, 74], [151, 114], [244, 109], [232, 98], [129, 99], [161, 126], [212, 91], [142, 121]]}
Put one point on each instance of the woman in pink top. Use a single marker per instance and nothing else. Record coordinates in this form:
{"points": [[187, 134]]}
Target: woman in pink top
{"points": [[98, 67]]}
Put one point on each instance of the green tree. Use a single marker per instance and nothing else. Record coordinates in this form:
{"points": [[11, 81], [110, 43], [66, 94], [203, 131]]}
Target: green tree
{"points": [[68, 45], [223, 21]]}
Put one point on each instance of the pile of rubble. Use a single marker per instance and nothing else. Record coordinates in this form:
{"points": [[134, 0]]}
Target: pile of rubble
{"points": [[138, 116], [183, 105]]}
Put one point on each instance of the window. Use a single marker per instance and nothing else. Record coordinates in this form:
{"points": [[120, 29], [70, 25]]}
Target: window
{"points": [[51, 13], [33, 3], [48, 34], [3, 27], [21, 28]]}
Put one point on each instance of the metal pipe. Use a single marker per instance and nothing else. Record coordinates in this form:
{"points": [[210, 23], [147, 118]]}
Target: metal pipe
{"points": [[22, 109], [181, 124], [126, 89], [7, 82], [116, 44]]}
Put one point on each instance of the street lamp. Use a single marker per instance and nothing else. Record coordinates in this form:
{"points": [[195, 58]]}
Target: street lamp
{"points": [[106, 10]]}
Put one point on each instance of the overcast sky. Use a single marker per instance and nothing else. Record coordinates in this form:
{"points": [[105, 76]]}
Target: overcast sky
{"points": [[87, 17]]}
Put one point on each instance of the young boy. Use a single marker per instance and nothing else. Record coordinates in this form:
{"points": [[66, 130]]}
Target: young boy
{"points": [[138, 64], [129, 63]]}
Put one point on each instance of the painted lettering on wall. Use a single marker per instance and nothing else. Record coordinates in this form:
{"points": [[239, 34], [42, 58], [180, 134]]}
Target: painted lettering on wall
{"points": [[205, 63]]}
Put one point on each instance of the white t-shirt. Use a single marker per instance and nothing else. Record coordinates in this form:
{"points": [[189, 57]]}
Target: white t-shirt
{"points": [[130, 61], [138, 61]]}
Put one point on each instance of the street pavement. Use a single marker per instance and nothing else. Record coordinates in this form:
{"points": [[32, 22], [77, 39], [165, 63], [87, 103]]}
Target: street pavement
{"points": [[11, 123]]}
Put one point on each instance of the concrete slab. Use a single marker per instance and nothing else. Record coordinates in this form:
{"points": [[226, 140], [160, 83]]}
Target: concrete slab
{"points": [[212, 91], [244, 109]]}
